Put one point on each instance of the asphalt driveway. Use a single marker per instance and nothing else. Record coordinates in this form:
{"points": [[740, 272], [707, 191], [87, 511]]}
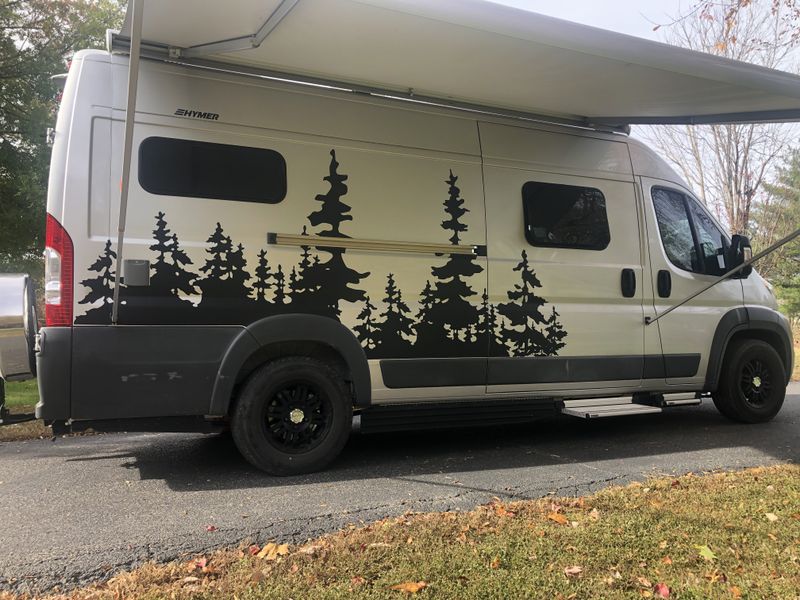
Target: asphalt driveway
{"points": [[77, 509]]}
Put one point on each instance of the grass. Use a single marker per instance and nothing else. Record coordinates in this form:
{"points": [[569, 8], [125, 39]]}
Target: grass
{"points": [[21, 397], [22, 394], [725, 535]]}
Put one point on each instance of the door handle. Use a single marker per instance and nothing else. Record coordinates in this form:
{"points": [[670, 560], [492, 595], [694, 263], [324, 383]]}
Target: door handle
{"points": [[664, 282], [628, 283]]}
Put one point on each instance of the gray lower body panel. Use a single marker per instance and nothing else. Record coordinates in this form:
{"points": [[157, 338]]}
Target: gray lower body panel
{"points": [[145, 371]]}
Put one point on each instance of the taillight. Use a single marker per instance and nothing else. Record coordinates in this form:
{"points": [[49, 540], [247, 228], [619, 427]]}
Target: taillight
{"points": [[58, 270]]}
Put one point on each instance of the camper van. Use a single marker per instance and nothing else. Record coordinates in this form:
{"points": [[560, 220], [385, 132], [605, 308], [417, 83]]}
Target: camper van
{"points": [[297, 254]]}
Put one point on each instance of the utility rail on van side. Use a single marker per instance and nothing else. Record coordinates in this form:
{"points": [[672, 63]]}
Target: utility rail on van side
{"points": [[308, 254]]}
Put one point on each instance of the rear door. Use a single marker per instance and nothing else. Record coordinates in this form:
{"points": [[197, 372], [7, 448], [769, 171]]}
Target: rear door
{"points": [[565, 263], [686, 250]]}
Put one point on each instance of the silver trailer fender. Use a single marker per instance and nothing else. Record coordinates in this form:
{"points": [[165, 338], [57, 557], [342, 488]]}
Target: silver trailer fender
{"points": [[18, 328]]}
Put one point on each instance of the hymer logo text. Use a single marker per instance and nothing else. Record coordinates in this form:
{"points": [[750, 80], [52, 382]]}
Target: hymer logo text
{"points": [[196, 114]]}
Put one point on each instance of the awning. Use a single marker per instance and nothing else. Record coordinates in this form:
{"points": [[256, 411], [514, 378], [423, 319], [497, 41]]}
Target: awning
{"points": [[469, 53]]}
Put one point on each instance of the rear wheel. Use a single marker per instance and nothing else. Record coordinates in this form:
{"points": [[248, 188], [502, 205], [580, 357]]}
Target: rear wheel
{"points": [[293, 416], [753, 382]]}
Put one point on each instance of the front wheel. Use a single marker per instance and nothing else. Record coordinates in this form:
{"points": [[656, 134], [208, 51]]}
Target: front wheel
{"points": [[293, 416], [753, 383]]}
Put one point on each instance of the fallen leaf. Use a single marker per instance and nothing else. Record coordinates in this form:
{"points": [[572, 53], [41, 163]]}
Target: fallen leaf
{"points": [[735, 591], [771, 517], [410, 587], [358, 580], [295, 568], [666, 560], [310, 550], [662, 544], [211, 527], [594, 514], [495, 564], [558, 518], [267, 550], [253, 550], [644, 582], [190, 579], [573, 571], [706, 553], [661, 590]]}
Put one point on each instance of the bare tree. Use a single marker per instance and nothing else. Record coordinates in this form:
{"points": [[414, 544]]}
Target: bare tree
{"points": [[727, 165]]}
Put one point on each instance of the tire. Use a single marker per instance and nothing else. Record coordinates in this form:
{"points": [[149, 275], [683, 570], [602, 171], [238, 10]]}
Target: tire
{"points": [[752, 386], [292, 416]]}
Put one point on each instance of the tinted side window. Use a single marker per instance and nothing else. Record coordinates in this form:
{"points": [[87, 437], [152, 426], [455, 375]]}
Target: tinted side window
{"points": [[713, 242], [675, 229], [194, 169], [565, 216]]}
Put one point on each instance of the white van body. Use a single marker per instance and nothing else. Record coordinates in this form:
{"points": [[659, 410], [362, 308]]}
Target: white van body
{"points": [[535, 306]]}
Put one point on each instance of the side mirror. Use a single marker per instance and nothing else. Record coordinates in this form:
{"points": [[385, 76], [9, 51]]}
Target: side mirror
{"points": [[738, 253]]}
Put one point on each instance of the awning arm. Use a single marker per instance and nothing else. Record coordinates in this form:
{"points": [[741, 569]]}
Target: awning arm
{"points": [[130, 117], [247, 42], [721, 278]]}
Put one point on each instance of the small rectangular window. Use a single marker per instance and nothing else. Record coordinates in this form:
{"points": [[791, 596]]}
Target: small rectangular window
{"points": [[189, 168], [565, 216]]}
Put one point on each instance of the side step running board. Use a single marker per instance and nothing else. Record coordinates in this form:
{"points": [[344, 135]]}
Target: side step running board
{"points": [[596, 408]]}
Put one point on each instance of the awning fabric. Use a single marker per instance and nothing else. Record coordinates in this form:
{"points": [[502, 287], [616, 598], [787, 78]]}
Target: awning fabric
{"points": [[469, 52]]}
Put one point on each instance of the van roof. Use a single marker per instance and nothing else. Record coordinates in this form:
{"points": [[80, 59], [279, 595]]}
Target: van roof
{"points": [[468, 53]]}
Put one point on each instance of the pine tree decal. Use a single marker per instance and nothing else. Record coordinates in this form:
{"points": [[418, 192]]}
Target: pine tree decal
{"points": [[170, 276], [225, 276], [554, 334], [280, 287], [101, 288], [366, 329], [452, 310], [487, 334], [333, 277], [263, 277], [216, 267], [524, 315], [396, 326]]}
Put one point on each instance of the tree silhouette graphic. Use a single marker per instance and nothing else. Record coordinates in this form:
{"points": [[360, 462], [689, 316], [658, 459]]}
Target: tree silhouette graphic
{"points": [[101, 288], [366, 328], [395, 326], [554, 334], [524, 315], [280, 287], [225, 274], [487, 332], [263, 279], [170, 276], [332, 280], [451, 309]]}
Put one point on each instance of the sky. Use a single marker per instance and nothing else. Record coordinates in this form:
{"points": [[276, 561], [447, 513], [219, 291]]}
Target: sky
{"points": [[634, 17]]}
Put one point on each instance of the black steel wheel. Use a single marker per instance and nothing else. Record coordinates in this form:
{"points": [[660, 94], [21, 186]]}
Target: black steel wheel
{"points": [[752, 386], [292, 416], [297, 416]]}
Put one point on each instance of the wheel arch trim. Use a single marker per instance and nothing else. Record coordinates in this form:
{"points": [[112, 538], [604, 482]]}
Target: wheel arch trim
{"points": [[754, 319], [287, 329]]}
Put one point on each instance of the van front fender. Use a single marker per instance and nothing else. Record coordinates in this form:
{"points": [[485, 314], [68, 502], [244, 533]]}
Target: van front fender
{"points": [[759, 322], [288, 329]]}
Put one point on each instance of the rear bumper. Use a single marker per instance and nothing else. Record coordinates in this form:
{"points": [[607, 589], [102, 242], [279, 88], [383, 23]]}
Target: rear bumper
{"points": [[54, 366]]}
